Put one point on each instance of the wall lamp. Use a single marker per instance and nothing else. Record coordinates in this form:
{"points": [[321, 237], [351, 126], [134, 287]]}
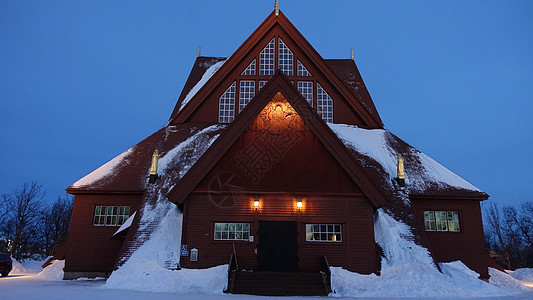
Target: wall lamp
{"points": [[299, 204], [256, 203]]}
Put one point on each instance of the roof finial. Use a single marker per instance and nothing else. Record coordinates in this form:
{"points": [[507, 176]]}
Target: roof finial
{"points": [[198, 52], [276, 7], [351, 54]]}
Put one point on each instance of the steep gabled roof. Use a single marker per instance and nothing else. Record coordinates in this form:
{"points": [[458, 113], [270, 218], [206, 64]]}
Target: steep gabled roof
{"points": [[278, 83], [367, 113]]}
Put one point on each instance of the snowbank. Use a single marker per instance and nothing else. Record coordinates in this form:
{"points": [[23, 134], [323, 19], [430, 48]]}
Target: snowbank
{"points": [[525, 274], [53, 272], [145, 269], [408, 271], [18, 268]]}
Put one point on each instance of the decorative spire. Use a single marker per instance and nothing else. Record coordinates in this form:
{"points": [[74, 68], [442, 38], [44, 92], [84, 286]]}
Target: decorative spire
{"points": [[198, 52], [276, 7], [351, 54]]}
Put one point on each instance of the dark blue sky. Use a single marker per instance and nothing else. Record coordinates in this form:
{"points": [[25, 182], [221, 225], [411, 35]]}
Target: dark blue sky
{"points": [[82, 81]]}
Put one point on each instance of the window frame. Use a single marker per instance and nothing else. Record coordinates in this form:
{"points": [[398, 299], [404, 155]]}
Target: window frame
{"points": [[442, 217], [227, 228], [109, 215], [323, 230]]}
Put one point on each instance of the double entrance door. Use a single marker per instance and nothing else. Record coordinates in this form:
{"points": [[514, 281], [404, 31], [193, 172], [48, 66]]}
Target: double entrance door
{"points": [[278, 246]]}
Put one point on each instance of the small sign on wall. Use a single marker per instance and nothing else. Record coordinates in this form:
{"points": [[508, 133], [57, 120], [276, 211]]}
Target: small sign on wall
{"points": [[183, 250]]}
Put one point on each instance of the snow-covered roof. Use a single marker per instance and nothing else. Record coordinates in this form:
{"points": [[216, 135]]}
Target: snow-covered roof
{"points": [[205, 77], [378, 150]]}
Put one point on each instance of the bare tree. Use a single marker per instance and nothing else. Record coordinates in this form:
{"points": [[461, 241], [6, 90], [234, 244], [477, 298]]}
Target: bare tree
{"points": [[55, 224], [495, 226], [24, 208]]}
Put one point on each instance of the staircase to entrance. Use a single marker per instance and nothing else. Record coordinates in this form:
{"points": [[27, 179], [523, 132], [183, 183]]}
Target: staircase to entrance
{"points": [[271, 283]]}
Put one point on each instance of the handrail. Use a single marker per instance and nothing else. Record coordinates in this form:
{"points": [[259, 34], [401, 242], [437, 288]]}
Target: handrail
{"points": [[326, 273], [232, 269]]}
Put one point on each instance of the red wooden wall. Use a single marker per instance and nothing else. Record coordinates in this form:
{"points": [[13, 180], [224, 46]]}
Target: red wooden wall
{"points": [[468, 245], [92, 248]]}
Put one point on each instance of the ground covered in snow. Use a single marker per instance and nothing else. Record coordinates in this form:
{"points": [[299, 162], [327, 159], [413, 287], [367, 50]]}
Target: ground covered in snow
{"points": [[29, 281]]}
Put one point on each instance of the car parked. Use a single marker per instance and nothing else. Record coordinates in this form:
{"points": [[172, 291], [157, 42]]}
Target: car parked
{"points": [[6, 264]]}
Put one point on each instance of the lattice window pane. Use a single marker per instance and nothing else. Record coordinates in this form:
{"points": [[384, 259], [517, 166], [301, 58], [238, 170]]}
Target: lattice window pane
{"points": [[306, 89], [226, 108], [429, 220], [262, 84], [440, 218], [99, 215], [123, 214], [250, 70], [246, 93], [324, 104], [266, 59], [302, 71], [453, 221], [285, 58], [232, 231]]}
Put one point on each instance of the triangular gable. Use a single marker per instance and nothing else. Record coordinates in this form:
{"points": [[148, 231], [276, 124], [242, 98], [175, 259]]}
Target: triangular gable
{"points": [[259, 38], [278, 83]]}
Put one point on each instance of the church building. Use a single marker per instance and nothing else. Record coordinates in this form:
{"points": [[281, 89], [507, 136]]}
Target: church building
{"points": [[278, 160]]}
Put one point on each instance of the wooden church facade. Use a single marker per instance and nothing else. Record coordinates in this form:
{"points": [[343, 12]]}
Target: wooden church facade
{"points": [[262, 173]]}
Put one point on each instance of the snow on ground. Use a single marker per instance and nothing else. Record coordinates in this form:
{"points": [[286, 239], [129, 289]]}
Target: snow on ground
{"points": [[396, 282], [408, 271], [53, 272]]}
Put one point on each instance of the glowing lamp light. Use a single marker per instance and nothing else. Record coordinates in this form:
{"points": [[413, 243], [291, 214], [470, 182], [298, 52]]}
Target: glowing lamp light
{"points": [[299, 204], [256, 203]]}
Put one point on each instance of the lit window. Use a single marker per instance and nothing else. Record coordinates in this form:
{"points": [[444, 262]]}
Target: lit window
{"points": [[285, 59], [302, 71], [324, 104], [266, 59], [110, 215], [429, 220], [453, 221], [232, 231], [442, 221], [247, 92], [250, 70], [323, 232], [306, 89], [226, 108], [262, 84]]}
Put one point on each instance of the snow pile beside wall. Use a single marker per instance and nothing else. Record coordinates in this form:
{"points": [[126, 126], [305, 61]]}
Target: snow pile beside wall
{"points": [[145, 269], [18, 268], [507, 281], [525, 274], [408, 271], [53, 272]]}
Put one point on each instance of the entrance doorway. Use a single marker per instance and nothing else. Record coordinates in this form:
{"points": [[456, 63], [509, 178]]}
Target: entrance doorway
{"points": [[278, 246]]}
